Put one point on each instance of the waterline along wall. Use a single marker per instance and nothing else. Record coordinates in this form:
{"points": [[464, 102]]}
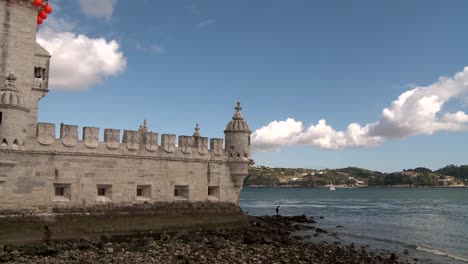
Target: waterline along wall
{"points": [[58, 187]]}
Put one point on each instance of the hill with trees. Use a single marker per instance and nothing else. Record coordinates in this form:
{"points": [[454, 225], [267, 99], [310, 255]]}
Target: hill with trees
{"points": [[450, 175]]}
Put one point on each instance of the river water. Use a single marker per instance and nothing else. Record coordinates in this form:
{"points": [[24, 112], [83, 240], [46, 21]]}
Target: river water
{"points": [[431, 223]]}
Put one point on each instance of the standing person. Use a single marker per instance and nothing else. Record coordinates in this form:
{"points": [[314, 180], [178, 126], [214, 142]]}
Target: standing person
{"points": [[277, 210]]}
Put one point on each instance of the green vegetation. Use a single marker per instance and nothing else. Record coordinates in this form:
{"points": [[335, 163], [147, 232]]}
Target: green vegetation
{"points": [[455, 171], [354, 177]]}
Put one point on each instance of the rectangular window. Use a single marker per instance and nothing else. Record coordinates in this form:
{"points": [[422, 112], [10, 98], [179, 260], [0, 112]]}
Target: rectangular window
{"points": [[62, 192], [101, 192], [181, 191], [213, 191], [143, 192], [59, 191], [104, 193], [1, 116]]}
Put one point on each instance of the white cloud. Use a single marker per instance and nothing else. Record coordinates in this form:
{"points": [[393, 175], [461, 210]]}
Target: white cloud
{"points": [[79, 61], [98, 8], [415, 112]]}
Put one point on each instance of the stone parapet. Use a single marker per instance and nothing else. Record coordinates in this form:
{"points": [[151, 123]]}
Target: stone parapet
{"points": [[133, 143]]}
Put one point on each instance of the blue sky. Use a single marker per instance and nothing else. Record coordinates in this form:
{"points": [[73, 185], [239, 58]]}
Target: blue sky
{"points": [[182, 62]]}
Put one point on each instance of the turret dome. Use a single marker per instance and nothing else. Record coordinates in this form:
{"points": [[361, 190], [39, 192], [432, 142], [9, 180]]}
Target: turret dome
{"points": [[9, 95], [238, 123]]}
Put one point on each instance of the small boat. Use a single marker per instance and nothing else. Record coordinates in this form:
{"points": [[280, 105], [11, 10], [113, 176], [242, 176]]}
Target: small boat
{"points": [[332, 188]]}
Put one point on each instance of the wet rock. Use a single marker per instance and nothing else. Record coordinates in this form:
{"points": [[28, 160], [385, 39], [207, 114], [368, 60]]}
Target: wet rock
{"points": [[320, 230], [267, 240]]}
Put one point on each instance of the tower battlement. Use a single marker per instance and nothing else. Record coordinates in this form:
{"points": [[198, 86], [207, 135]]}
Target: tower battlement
{"points": [[130, 142]]}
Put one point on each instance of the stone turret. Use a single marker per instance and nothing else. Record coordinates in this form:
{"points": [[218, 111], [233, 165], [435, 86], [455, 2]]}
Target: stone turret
{"points": [[13, 115], [237, 137]]}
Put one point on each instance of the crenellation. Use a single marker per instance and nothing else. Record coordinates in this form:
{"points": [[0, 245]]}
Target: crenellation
{"points": [[68, 135], [112, 138], [201, 144], [168, 142], [150, 139], [91, 137], [46, 133], [217, 146], [186, 144], [131, 139]]}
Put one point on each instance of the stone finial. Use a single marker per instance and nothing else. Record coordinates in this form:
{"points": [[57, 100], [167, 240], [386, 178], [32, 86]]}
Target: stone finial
{"points": [[238, 115], [10, 83], [144, 127], [197, 131], [238, 107]]}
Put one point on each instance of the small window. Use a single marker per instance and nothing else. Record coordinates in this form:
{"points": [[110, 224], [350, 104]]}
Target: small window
{"points": [[249, 140], [181, 191], [104, 193], [62, 192], [101, 192], [232, 147], [39, 73], [1, 117], [143, 192], [59, 191], [213, 191]]}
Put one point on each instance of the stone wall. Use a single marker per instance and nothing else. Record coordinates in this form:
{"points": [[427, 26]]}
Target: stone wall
{"points": [[41, 181]]}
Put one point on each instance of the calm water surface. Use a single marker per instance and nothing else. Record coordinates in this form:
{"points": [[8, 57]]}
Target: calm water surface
{"points": [[432, 223]]}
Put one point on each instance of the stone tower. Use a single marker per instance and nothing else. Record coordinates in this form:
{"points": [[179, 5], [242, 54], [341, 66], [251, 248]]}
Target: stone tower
{"points": [[237, 136], [21, 55]]}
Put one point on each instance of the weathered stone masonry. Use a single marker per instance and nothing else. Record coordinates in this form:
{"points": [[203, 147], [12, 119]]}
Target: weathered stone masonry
{"points": [[50, 179]]}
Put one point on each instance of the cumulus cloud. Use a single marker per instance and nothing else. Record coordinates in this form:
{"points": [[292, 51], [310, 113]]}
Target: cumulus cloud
{"points": [[415, 112], [79, 61], [98, 8]]}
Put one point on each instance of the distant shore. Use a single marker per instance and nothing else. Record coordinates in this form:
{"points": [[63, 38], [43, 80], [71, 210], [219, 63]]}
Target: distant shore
{"points": [[358, 187]]}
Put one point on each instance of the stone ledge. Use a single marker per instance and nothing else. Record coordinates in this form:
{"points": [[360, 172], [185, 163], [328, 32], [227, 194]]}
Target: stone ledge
{"points": [[108, 155], [178, 216], [8, 163]]}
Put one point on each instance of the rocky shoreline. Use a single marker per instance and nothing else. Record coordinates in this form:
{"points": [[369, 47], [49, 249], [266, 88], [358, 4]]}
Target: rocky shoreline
{"points": [[268, 239]]}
